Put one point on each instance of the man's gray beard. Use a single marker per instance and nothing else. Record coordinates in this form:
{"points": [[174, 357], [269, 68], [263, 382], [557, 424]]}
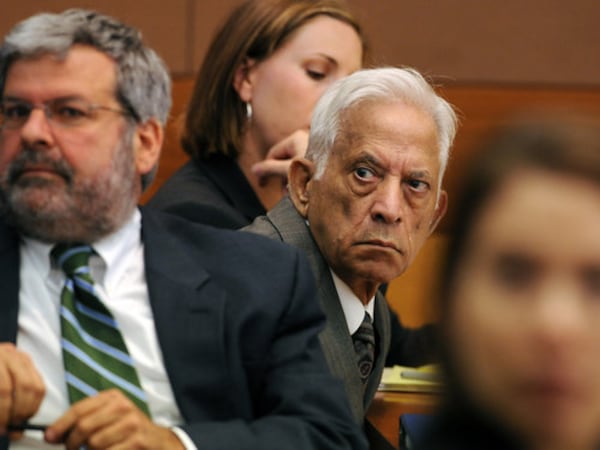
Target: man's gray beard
{"points": [[84, 212]]}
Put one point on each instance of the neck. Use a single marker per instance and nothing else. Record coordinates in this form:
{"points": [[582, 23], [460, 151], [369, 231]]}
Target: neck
{"points": [[365, 291], [269, 190]]}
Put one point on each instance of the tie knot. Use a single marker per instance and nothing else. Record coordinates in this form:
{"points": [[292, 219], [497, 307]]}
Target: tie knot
{"points": [[367, 319], [72, 258], [365, 331]]}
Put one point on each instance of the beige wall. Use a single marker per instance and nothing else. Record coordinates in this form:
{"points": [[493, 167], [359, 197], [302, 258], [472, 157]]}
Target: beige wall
{"points": [[549, 42]]}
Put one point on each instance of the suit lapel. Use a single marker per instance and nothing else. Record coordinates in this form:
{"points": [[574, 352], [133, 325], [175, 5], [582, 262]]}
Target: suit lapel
{"points": [[188, 311], [335, 337], [9, 280], [338, 347], [382, 327]]}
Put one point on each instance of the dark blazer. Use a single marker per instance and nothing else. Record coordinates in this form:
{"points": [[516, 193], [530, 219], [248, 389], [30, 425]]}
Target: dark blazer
{"points": [[237, 321], [213, 192], [460, 426], [285, 223]]}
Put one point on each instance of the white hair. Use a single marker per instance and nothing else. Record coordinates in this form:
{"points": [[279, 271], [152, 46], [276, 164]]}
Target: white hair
{"points": [[385, 84]]}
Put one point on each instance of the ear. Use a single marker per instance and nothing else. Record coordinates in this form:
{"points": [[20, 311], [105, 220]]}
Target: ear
{"points": [[148, 141], [440, 210], [242, 80], [300, 178]]}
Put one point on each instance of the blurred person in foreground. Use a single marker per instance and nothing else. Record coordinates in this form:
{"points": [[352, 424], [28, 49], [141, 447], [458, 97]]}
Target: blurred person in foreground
{"points": [[252, 103], [362, 203], [521, 294], [123, 327]]}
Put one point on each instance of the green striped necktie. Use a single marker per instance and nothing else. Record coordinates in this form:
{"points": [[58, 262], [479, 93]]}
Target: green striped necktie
{"points": [[94, 352]]}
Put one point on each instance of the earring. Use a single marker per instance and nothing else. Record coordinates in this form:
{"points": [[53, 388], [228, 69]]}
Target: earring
{"points": [[248, 111]]}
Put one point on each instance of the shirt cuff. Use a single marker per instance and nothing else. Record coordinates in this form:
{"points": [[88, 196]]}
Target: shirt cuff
{"points": [[184, 438]]}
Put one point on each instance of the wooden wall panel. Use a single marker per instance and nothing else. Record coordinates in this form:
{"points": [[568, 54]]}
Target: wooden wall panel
{"points": [[549, 42], [510, 41], [207, 17], [481, 108], [414, 294], [163, 23]]}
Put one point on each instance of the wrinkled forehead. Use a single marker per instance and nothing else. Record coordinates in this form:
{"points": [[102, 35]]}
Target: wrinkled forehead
{"points": [[401, 117], [391, 127]]}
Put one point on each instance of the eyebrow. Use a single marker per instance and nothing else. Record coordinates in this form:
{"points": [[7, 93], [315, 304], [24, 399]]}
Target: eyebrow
{"points": [[331, 59], [54, 99], [367, 157], [420, 174]]}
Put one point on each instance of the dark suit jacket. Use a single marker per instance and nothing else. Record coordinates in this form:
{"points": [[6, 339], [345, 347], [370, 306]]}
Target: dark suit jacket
{"points": [[237, 321], [213, 192], [284, 223], [458, 425]]}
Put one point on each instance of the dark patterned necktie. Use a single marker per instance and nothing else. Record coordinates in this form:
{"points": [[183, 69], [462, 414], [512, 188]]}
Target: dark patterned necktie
{"points": [[94, 352], [364, 346]]}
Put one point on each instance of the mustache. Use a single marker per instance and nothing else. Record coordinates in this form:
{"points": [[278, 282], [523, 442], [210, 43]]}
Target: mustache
{"points": [[29, 157]]}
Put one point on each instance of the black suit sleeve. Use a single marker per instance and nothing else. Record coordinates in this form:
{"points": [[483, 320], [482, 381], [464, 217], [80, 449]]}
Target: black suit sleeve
{"points": [[411, 346]]}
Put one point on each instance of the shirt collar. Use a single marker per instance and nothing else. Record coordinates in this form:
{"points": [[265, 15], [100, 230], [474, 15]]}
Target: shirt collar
{"points": [[116, 248], [113, 251], [354, 310]]}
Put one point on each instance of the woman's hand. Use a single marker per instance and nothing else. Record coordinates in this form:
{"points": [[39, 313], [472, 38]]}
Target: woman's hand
{"points": [[279, 157]]}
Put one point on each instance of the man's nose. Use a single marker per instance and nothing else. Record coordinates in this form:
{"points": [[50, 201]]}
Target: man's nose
{"points": [[36, 130], [388, 202]]}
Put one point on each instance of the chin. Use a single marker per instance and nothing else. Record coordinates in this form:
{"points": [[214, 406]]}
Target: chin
{"points": [[377, 273]]}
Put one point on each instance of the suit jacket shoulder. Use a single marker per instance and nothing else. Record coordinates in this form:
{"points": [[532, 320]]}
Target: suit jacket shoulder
{"points": [[214, 192]]}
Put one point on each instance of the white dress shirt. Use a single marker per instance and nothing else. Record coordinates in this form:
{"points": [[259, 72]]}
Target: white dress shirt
{"points": [[354, 310], [119, 276]]}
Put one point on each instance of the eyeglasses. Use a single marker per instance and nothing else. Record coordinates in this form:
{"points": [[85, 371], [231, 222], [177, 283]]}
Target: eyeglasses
{"points": [[65, 112]]}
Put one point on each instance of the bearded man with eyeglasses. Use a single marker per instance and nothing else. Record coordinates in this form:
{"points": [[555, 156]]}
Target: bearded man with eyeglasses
{"points": [[209, 337]]}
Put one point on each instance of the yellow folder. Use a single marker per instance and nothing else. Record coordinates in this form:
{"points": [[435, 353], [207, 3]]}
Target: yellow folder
{"points": [[411, 379]]}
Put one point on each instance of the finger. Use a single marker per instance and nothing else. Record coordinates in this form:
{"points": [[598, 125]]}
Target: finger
{"points": [[87, 419], [150, 436], [291, 146], [21, 387], [101, 412], [15, 435], [6, 397], [29, 390], [64, 427], [129, 428], [270, 167]]}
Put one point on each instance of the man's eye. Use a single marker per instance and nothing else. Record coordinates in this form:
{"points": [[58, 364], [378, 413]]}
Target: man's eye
{"points": [[364, 173], [16, 111], [419, 185], [69, 112]]}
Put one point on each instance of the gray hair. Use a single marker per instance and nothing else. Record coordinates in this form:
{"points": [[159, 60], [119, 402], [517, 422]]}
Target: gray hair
{"points": [[143, 82], [385, 84]]}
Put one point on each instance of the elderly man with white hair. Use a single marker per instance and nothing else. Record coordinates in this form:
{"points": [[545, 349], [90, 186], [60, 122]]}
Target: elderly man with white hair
{"points": [[361, 204]]}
